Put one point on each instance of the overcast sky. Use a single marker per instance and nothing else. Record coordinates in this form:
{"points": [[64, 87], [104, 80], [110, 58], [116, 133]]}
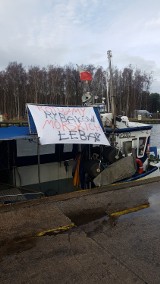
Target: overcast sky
{"points": [[44, 32]]}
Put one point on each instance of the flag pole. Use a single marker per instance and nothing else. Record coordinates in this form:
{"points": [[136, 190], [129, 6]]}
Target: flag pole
{"points": [[109, 53]]}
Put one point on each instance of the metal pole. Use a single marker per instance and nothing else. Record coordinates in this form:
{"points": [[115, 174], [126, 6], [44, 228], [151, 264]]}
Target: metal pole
{"points": [[109, 53], [107, 94], [39, 169]]}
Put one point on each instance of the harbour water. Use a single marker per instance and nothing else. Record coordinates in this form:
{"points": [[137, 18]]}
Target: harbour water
{"points": [[155, 136]]}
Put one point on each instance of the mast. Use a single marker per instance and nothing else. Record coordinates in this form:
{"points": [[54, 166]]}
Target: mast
{"points": [[112, 97], [107, 94]]}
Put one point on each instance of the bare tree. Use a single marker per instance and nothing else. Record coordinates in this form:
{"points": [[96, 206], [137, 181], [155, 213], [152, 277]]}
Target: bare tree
{"points": [[62, 86]]}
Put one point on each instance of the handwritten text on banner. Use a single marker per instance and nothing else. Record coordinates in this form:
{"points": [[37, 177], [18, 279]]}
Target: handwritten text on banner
{"points": [[65, 125]]}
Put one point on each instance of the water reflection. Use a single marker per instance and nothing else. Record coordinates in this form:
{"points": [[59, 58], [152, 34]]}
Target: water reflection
{"points": [[128, 213], [154, 201], [152, 208]]}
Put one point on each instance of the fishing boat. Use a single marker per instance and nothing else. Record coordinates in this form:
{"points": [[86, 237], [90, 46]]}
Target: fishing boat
{"points": [[67, 148]]}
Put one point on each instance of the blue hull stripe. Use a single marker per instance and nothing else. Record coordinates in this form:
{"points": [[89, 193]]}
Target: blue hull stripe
{"points": [[138, 176], [128, 129]]}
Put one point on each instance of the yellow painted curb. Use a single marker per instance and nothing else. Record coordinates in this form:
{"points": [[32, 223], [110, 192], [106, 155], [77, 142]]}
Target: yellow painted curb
{"points": [[129, 210], [56, 230]]}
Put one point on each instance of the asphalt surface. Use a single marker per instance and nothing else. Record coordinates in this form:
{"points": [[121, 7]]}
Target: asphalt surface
{"points": [[108, 235]]}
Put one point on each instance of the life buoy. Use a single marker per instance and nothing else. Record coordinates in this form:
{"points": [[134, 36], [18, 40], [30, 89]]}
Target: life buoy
{"points": [[140, 166]]}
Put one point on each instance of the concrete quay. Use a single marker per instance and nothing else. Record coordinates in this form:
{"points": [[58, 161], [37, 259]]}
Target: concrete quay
{"points": [[102, 235]]}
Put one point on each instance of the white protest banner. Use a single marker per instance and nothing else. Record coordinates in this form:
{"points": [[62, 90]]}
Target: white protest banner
{"points": [[65, 125]]}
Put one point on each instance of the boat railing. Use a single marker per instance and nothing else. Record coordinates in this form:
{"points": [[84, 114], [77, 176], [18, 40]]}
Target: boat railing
{"points": [[13, 123]]}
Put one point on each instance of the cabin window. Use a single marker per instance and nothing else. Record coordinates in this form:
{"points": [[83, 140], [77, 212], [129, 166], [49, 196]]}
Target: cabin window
{"points": [[127, 147], [142, 143]]}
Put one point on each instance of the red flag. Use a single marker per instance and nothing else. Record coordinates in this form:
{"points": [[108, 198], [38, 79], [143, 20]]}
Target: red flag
{"points": [[85, 76]]}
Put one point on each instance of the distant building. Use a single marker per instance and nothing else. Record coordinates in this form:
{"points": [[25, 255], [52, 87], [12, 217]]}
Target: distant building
{"points": [[142, 112]]}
